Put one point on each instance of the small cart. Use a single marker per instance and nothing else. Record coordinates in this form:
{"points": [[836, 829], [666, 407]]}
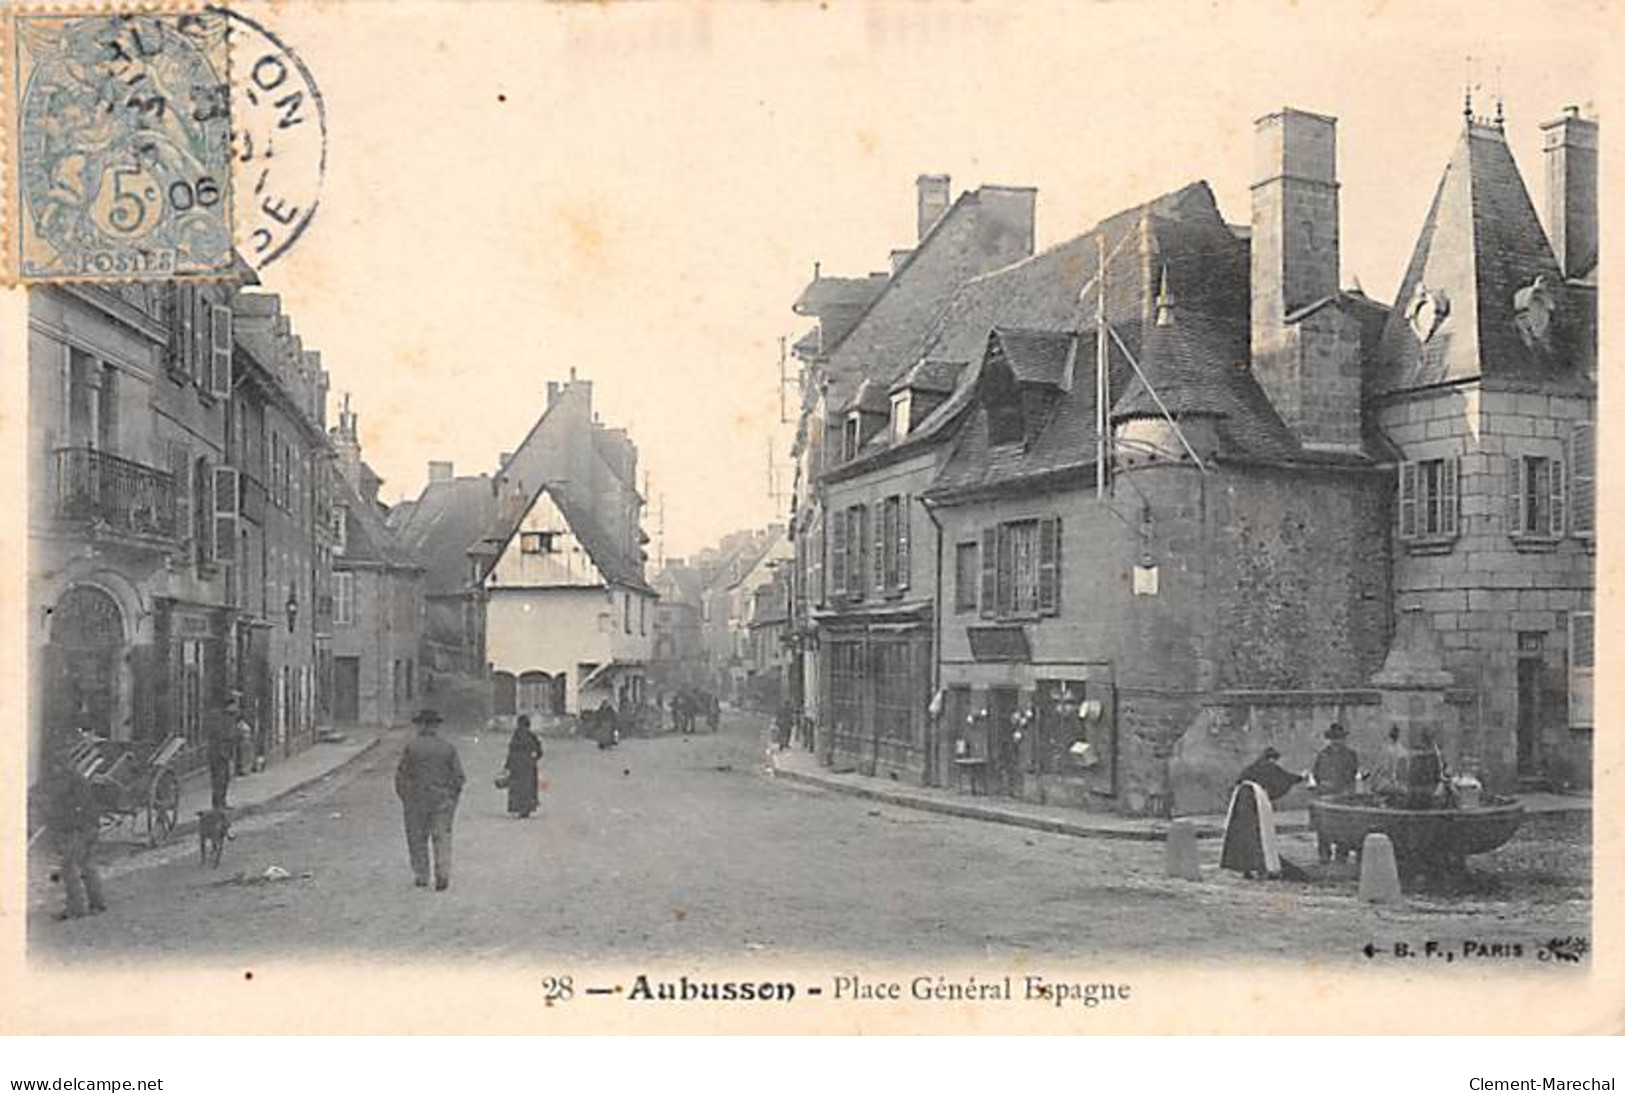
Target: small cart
{"points": [[134, 782]]}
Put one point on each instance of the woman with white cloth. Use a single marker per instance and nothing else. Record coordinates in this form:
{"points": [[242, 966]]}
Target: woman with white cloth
{"points": [[1250, 844]]}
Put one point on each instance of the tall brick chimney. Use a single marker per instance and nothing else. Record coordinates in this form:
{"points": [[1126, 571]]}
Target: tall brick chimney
{"points": [[441, 470], [1308, 363], [934, 199], [1571, 190]]}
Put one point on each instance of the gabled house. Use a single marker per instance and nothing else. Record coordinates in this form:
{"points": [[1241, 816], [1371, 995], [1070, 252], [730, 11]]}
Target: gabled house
{"points": [[867, 341], [376, 601], [568, 616]]}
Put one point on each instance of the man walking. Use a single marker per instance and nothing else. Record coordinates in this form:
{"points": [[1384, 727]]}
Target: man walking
{"points": [[73, 821], [222, 755], [428, 781]]}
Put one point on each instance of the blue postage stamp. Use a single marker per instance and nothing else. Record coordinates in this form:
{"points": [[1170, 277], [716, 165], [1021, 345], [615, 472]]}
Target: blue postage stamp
{"points": [[123, 145]]}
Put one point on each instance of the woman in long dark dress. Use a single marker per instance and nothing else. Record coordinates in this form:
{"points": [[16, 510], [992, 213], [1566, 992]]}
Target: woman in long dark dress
{"points": [[524, 749], [1250, 844]]}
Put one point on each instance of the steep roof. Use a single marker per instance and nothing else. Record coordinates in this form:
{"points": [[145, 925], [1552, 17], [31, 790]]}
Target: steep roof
{"points": [[1480, 243], [599, 545], [367, 538], [440, 527], [934, 375], [823, 292], [982, 229]]}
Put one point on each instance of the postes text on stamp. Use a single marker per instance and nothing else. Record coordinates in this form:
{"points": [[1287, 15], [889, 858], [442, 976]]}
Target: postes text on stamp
{"points": [[123, 143]]}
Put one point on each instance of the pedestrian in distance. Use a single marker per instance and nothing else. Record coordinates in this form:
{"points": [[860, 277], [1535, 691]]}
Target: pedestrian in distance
{"points": [[783, 725], [429, 780], [1251, 846], [1336, 770], [713, 712], [221, 747], [524, 750], [72, 824], [245, 741], [606, 730]]}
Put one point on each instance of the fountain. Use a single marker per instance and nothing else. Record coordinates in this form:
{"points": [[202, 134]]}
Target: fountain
{"points": [[1434, 822]]}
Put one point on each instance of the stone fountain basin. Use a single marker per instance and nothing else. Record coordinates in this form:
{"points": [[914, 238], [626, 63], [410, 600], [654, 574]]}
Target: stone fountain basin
{"points": [[1437, 837]]}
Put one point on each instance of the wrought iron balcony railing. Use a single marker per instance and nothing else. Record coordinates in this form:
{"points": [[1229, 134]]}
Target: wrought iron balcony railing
{"points": [[117, 494]]}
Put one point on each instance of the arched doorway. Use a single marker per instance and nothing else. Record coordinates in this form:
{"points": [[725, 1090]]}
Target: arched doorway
{"points": [[535, 693], [83, 669], [504, 694]]}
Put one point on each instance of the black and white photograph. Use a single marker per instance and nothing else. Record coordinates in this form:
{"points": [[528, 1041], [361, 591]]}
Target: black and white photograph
{"points": [[842, 516]]}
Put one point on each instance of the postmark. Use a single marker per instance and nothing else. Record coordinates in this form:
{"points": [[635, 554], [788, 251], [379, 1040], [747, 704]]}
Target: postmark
{"points": [[279, 141], [123, 132]]}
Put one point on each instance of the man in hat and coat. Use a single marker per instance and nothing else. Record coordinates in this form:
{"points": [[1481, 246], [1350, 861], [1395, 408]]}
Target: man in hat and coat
{"points": [[72, 823], [221, 747], [428, 780], [1250, 844], [1336, 769]]}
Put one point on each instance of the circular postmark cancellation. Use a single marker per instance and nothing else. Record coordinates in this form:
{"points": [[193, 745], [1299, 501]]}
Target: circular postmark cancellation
{"points": [[124, 137], [279, 142]]}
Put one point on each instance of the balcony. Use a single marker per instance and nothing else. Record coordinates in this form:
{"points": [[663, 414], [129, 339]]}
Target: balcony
{"points": [[113, 494]]}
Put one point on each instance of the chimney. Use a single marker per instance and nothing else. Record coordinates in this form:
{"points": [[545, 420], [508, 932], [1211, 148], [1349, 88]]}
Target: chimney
{"points": [[1308, 365], [933, 200], [1571, 190], [441, 470], [552, 393]]}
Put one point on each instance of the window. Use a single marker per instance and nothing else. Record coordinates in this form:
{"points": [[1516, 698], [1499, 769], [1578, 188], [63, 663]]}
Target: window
{"points": [[219, 358], [537, 542], [1021, 569], [965, 577], [1583, 480], [343, 599], [643, 615], [202, 514], [1429, 499], [1535, 501], [626, 612], [340, 515], [901, 406], [1582, 653], [849, 437]]}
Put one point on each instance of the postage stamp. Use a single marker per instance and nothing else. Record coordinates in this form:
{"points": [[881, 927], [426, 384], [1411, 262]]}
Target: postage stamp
{"points": [[123, 129]]}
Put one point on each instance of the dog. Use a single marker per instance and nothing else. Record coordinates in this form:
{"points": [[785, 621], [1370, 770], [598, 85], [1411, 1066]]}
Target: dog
{"points": [[213, 829]]}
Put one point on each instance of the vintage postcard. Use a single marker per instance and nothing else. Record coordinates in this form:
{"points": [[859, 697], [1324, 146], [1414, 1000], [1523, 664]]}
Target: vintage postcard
{"points": [[833, 517]]}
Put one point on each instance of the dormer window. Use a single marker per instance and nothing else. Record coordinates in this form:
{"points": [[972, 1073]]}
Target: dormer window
{"points": [[849, 436], [901, 407]]}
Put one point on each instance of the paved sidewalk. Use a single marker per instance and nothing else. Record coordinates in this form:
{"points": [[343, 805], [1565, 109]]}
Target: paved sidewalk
{"points": [[800, 766]]}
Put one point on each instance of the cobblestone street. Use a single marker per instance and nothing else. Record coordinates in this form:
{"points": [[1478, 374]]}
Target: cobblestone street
{"points": [[685, 847]]}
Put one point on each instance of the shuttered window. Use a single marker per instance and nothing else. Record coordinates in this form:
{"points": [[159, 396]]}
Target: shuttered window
{"points": [[884, 549], [225, 514], [1582, 666], [1536, 496], [858, 559], [990, 572], [1430, 499], [220, 351], [837, 554], [1049, 565], [904, 559], [1020, 570], [1583, 480]]}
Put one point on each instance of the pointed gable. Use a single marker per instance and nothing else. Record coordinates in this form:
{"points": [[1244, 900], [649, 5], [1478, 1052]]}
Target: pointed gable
{"points": [[1454, 318], [557, 543]]}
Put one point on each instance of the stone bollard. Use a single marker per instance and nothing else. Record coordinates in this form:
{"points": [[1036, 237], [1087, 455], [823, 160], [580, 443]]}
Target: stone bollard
{"points": [[1181, 856], [1379, 872]]}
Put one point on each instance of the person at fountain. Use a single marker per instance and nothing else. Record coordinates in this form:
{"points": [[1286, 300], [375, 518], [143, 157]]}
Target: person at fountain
{"points": [[1386, 774], [1251, 846], [1335, 771]]}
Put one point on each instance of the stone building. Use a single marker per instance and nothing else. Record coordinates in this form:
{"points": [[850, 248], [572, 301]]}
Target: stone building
{"points": [[867, 336], [156, 577], [377, 607], [1185, 496]]}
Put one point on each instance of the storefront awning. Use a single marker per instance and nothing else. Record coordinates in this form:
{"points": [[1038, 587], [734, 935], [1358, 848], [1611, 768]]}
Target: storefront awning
{"points": [[604, 671]]}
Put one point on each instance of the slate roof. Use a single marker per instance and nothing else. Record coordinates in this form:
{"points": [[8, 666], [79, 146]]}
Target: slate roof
{"points": [[439, 528], [825, 292], [938, 376], [615, 566], [1480, 243], [367, 538]]}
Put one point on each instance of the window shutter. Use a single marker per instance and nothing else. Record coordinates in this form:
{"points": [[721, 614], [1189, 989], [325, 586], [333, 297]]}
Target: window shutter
{"points": [[1582, 667], [904, 509], [1049, 565], [185, 306], [990, 571], [837, 554], [1450, 497], [225, 514], [1559, 498], [220, 351], [203, 510], [858, 542], [884, 556], [180, 469], [1583, 479], [1514, 473], [1407, 500]]}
